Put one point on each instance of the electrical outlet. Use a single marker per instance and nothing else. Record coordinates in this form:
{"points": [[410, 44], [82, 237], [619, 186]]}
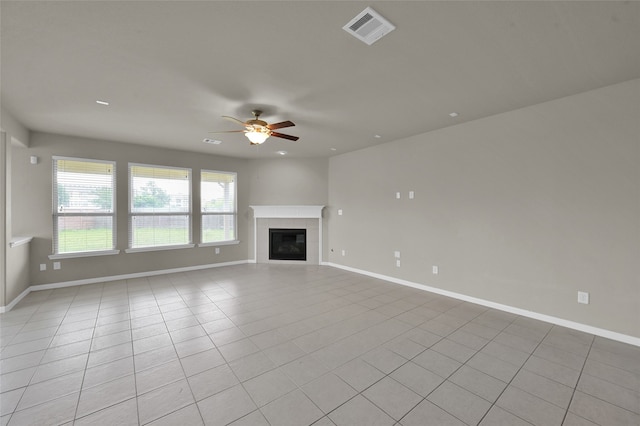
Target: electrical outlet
{"points": [[217, 250], [56, 265], [398, 263], [396, 254], [43, 266], [339, 212], [583, 297], [411, 195], [344, 252], [434, 270], [398, 195]]}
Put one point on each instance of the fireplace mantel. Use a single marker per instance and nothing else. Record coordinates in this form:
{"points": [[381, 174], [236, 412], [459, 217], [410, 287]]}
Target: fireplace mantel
{"points": [[287, 212], [282, 212]]}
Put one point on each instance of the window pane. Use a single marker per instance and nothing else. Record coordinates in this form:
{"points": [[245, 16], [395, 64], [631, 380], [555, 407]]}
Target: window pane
{"points": [[218, 227], [161, 230], [83, 186], [84, 233], [218, 206], [160, 190], [83, 205], [218, 192]]}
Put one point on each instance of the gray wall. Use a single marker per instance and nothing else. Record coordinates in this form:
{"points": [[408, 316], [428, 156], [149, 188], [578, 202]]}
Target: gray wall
{"points": [[523, 208], [32, 207], [288, 181]]}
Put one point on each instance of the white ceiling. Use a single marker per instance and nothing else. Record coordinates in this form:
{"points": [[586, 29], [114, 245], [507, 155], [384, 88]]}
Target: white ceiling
{"points": [[170, 69]]}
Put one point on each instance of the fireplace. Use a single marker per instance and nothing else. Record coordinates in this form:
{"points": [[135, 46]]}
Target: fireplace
{"points": [[288, 218], [287, 244]]}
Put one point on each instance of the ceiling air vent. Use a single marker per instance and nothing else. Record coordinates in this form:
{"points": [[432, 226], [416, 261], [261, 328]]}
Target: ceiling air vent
{"points": [[369, 26]]}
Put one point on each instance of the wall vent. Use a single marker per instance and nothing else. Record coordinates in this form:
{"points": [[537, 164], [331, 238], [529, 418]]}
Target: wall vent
{"points": [[368, 26]]}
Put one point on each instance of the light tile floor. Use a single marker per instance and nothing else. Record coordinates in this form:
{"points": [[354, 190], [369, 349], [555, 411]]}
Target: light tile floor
{"points": [[299, 345]]}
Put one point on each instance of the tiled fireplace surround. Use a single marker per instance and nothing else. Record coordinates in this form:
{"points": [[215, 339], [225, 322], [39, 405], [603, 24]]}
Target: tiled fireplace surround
{"points": [[287, 217]]}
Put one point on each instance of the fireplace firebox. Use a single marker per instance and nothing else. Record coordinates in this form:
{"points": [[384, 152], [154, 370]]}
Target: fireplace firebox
{"points": [[288, 244]]}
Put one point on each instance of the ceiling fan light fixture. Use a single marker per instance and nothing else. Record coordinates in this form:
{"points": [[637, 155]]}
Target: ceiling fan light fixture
{"points": [[257, 136]]}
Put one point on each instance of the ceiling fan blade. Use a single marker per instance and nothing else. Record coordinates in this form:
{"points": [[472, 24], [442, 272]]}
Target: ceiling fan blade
{"points": [[280, 125], [242, 123], [230, 131], [283, 136]]}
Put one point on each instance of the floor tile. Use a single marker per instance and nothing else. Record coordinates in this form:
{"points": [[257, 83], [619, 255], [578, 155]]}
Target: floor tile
{"points": [[601, 412], [196, 336], [384, 359], [226, 406], [53, 412], [212, 381], [428, 414], [60, 368], [187, 416], [255, 418], [268, 387], [530, 408], [251, 366], [459, 402], [291, 409], [158, 376], [283, 353], [479, 383], [201, 361], [610, 392], [328, 392], [499, 417], [9, 401], [122, 414], [551, 370], [238, 349], [494, 367], [437, 363], [105, 395], [393, 398], [359, 374], [154, 357], [360, 412], [547, 389], [50, 389], [165, 400]]}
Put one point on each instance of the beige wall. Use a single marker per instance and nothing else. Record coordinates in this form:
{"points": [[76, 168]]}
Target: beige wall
{"points": [[32, 207], [288, 181], [523, 208]]}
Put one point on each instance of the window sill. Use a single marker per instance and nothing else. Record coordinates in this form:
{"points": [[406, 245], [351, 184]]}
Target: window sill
{"points": [[18, 241], [145, 249], [219, 243], [83, 254]]}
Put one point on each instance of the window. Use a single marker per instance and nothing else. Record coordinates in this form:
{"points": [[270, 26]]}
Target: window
{"points": [[159, 207], [83, 206], [218, 206]]}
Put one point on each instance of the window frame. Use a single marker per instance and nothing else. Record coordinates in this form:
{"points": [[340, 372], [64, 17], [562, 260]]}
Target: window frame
{"points": [[131, 213], [234, 211], [56, 214]]}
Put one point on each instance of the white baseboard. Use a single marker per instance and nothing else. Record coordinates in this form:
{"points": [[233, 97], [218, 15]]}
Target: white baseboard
{"points": [[15, 301], [506, 308], [523, 312]]}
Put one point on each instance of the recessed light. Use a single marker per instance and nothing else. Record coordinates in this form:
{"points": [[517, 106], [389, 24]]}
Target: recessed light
{"points": [[377, 136], [333, 149], [105, 103], [453, 114], [211, 141], [281, 152]]}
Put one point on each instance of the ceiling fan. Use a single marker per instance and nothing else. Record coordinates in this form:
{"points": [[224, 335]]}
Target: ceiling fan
{"points": [[257, 131]]}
